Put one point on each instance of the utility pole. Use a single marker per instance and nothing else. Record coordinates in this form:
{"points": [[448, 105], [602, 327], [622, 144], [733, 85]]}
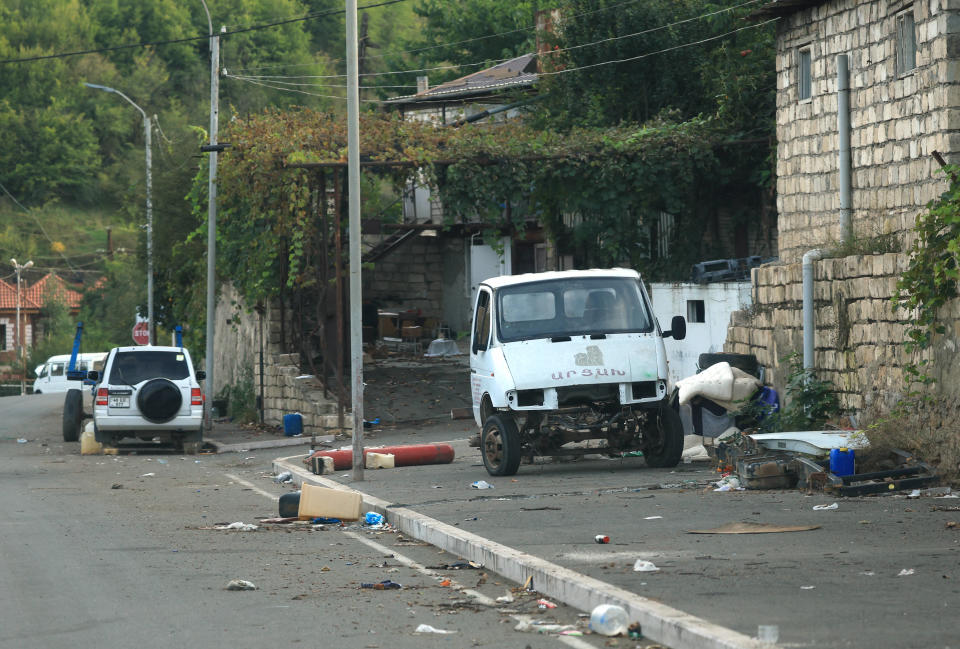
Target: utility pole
{"points": [[21, 339], [212, 217], [353, 189]]}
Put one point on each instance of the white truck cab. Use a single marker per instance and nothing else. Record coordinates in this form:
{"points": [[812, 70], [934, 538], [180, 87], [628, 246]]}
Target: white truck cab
{"points": [[561, 358]]}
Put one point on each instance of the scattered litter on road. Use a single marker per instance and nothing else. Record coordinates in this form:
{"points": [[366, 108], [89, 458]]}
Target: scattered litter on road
{"points": [[601, 538], [545, 603], [754, 528], [241, 584], [807, 587], [386, 584], [642, 565], [728, 483], [21, 440], [906, 572], [445, 583], [238, 526], [286, 476], [820, 508], [458, 565], [279, 520], [426, 628], [482, 484], [116, 485], [868, 573], [147, 475], [608, 619], [914, 494], [634, 631], [373, 519], [505, 599], [321, 520], [652, 518], [162, 461]]}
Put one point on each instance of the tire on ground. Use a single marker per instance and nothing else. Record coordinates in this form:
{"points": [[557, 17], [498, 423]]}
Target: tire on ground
{"points": [[72, 415], [665, 439], [159, 400], [500, 445]]}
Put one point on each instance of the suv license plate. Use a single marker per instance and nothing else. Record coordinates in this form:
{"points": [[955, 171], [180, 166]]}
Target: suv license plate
{"points": [[120, 402]]}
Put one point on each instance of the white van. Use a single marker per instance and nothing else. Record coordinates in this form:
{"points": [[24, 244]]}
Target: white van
{"points": [[52, 376]]}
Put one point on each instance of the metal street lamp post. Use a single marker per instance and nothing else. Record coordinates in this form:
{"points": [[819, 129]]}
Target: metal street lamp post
{"points": [[146, 131], [23, 361]]}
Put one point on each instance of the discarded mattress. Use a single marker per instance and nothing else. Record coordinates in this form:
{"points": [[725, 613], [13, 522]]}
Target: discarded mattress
{"points": [[442, 347], [720, 383]]}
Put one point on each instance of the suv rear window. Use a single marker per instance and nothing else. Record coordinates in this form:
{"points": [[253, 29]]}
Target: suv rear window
{"points": [[131, 368]]}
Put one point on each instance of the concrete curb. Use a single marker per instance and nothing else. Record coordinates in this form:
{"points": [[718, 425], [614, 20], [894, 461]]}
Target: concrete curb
{"points": [[223, 447], [659, 622]]}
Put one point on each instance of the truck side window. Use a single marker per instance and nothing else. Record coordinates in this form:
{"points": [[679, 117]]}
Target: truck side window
{"points": [[481, 322]]}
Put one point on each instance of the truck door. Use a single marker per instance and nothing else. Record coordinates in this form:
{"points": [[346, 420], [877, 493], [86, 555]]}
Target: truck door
{"points": [[481, 367]]}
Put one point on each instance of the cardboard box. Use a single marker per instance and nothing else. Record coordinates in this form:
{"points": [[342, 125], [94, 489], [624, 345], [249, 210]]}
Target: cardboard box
{"points": [[318, 502]]}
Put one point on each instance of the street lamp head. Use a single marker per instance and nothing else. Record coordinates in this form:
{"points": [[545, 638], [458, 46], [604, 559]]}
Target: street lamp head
{"points": [[98, 86], [28, 264], [13, 261]]}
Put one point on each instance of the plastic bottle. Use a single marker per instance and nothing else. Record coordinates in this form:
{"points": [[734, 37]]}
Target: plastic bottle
{"points": [[608, 619]]}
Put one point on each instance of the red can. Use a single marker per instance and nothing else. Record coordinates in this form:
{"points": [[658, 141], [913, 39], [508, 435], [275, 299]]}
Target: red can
{"points": [[601, 538]]}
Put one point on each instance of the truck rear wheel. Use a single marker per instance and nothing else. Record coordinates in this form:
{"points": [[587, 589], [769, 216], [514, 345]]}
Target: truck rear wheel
{"points": [[72, 415], [664, 441], [500, 445]]}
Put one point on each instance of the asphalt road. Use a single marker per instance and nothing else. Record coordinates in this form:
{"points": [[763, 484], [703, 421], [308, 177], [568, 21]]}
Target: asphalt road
{"points": [[879, 572], [118, 552]]}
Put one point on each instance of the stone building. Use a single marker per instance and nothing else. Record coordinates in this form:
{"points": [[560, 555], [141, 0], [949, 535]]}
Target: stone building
{"points": [[904, 110]]}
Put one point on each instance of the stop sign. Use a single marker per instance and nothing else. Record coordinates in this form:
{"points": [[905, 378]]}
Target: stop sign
{"points": [[141, 333]]}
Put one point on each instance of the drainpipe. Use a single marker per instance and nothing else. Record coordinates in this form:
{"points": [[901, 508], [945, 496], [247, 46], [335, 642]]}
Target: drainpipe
{"points": [[809, 324], [843, 134]]}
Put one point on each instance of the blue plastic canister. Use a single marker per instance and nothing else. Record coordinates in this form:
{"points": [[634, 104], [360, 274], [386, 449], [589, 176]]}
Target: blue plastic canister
{"points": [[293, 424], [841, 461]]}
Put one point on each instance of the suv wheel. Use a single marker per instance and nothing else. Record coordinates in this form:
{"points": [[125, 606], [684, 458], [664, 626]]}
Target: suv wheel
{"points": [[159, 400], [72, 415]]}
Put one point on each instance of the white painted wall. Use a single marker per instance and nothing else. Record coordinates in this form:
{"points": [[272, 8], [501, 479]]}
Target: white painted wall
{"points": [[719, 301]]}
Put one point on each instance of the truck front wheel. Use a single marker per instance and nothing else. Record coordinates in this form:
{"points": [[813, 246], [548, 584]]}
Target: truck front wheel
{"points": [[500, 445], [664, 439]]}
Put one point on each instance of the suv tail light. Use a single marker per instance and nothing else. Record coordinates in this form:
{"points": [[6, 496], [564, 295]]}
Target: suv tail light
{"points": [[101, 397], [196, 397]]}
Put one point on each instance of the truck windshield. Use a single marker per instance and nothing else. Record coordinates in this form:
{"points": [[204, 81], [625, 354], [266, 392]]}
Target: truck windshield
{"points": [[133, 367], [571, 307]]}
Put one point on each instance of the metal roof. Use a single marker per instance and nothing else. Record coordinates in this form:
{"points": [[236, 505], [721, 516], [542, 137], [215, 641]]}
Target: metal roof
{"points": [[518, 72]]}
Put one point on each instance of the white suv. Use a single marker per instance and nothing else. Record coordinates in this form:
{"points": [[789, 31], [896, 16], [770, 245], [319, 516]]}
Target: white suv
{"points": [[149, 392]]}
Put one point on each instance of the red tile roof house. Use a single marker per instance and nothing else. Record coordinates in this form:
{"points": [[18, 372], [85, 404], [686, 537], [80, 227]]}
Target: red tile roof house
{"points": [[32, 299]]}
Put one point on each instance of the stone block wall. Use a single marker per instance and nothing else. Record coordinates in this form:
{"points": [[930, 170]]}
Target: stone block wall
{"points": [[410, 277], [896, 121], [286, 387], [859, 344]]}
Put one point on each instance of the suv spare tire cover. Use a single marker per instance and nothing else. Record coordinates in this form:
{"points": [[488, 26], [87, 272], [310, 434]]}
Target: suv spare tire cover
{"points": [[159, 400]]}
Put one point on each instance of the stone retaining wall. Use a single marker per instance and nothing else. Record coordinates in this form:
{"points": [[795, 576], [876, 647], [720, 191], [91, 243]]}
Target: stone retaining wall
{"points": [[859, 344], [286, 387]]}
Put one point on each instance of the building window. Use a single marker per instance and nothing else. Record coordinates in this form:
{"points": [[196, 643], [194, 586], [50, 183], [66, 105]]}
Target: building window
{"points": [[3, 337], [906, 43], [803, 80], [696, 311]]}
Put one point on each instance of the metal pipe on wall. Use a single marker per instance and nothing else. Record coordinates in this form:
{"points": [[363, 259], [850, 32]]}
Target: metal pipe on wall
{"points": [[843, 146], [809, 322]]}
